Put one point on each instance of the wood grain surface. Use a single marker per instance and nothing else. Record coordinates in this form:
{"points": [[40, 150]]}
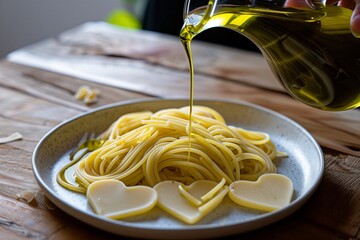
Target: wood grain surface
{"points": [[33, 101]]}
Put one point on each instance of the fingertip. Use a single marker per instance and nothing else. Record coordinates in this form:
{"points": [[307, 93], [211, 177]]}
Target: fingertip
{"points": [[296, 4], [355, 21], [346, 4]]}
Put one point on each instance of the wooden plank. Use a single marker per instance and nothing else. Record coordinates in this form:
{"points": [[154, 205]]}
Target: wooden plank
{"points": [[334, 130], [57, 88], [23, 108], [29, 116], [16, 170], [34, 222], [210, 59], [336, 204], [284, 230]]}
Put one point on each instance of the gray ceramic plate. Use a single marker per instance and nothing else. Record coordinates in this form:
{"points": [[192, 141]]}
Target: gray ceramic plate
{"points": [[305, 166]]}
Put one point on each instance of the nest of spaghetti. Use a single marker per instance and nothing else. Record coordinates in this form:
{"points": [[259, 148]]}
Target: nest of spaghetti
{"points": [[145, 148]]}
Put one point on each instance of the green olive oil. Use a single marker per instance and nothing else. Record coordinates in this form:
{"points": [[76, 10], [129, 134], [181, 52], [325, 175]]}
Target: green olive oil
{"points": [[312, 53]]}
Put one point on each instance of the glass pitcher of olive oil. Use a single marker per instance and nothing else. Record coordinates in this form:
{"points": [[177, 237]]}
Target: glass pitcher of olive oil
{"points": [[309, 46]]}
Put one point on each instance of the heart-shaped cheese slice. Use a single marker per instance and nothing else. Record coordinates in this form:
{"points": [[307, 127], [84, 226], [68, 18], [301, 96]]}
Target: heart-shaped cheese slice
{"points": [[270, 192], [112, 199], [171, 200]]}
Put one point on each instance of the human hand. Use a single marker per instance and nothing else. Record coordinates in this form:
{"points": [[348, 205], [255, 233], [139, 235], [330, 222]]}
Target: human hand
{"points": [[350, 4], [355, 19]]}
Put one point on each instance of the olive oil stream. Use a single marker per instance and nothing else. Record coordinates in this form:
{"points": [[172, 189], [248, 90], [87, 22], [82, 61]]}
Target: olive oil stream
{"points": [[312, 52]]}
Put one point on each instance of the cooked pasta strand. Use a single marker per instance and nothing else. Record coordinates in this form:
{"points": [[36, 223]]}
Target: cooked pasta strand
{"points": [[147, 148]]}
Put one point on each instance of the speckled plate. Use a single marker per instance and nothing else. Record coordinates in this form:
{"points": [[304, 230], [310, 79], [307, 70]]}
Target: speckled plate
{"points": [[305, 166]]}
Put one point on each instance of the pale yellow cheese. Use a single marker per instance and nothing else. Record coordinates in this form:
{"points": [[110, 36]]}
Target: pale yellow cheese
{"points": [[270, 192], [112, 199], [172, 199]]}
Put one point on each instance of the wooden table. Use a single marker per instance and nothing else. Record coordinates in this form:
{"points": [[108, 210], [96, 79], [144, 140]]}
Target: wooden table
{"points": [[145, 64]]}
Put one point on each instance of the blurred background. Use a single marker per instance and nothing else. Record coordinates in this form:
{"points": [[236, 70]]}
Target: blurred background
{"points": [[23, 22]]}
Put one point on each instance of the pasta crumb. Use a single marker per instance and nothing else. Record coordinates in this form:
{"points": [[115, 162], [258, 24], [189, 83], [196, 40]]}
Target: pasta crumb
{"points": [[87, 95], [27, 196], [13, 137], [35, 197]]}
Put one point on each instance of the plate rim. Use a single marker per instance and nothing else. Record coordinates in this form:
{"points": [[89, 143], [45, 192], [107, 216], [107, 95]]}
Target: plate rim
{"points": [[251, 224]]}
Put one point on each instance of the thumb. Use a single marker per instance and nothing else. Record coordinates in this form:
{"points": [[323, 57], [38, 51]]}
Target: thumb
{"points": [[355, 20]]}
